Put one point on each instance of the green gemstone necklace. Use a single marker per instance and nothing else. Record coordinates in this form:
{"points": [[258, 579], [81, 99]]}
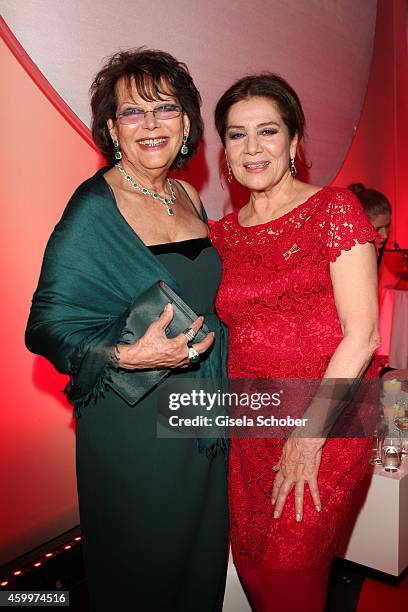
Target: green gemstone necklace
{"points": [[153, 194]]}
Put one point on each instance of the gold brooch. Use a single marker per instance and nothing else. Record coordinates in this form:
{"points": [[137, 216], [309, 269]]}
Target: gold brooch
{"points": [[293, 249]]}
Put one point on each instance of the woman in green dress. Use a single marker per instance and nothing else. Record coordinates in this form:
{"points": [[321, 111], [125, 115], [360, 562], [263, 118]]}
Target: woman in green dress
{"points": [[153, 510]]}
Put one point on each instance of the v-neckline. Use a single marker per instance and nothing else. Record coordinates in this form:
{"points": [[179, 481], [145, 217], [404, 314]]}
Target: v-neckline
{"points": [[130, 229]]}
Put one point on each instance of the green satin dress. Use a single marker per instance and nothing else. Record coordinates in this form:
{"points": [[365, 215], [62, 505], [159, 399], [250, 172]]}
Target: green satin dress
{"points": [[154, 513]]}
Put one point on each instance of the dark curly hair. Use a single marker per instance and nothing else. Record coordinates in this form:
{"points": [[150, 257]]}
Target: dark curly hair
{"points": [[266, 85], [155, 73]]}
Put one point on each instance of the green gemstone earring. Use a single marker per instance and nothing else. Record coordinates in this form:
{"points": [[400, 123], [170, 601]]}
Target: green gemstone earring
{"points": [[118, 154], [184, 148]]}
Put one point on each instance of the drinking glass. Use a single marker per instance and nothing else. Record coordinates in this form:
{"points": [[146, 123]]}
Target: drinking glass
{"points": [[391, 451], [379, 433], [402, 425], [376, 450]]}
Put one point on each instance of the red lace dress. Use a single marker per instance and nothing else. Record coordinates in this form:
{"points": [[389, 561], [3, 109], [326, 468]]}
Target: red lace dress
{"points": [[276, 298]]}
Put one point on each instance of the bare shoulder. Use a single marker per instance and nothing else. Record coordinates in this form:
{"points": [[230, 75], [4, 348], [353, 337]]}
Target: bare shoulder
{"points": [[192, 193]]}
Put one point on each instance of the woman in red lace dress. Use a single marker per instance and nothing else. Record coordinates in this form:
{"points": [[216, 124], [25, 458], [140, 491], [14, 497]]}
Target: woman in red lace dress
{"points": [[299, 298]]}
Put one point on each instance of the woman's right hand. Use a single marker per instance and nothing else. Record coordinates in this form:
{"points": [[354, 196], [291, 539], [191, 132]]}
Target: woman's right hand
{"points": [[298, 465], [154, 351]]}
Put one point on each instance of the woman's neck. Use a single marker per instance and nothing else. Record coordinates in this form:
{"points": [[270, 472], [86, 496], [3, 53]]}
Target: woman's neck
{"points": [[154, 179], [273, 201]]}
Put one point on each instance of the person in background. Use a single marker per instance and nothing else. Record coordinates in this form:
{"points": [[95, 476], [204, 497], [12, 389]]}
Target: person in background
{"points": [[378, 210]]}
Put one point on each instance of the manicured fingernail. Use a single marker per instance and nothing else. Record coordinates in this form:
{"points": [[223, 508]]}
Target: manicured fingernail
{"points": [[298, 518], [318, 508], [276, 514], [167, 307]]}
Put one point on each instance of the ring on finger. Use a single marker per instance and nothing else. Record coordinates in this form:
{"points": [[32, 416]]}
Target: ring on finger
{"points": [[190, 334], [193, 355]]}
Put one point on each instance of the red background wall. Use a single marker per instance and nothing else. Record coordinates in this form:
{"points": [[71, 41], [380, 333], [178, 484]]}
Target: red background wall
{"points": [[379, 153], [38, 494], [42, 161]]}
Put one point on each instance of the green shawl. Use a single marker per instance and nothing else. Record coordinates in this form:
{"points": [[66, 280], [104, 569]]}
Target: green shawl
{"points": [[94, 267]]}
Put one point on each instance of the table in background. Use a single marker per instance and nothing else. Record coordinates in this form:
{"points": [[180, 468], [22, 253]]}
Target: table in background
{"points": [[376, 531]]}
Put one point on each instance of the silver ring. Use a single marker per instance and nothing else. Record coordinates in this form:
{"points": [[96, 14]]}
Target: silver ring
{"points": [[190, 334], [193, 355]]}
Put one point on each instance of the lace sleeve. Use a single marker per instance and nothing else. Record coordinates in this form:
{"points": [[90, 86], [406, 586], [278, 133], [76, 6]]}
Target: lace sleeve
{"points": [[347, 224]]}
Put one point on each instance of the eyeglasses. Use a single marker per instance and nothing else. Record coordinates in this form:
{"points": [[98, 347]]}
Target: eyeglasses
{"points": [[135, 115]]}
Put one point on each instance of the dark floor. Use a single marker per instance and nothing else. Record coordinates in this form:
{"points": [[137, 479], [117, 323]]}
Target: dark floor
{"points": [[65, 572]]}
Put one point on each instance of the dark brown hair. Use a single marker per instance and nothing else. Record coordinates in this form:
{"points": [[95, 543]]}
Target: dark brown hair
{"points": [[266, 85], [154, 73], [374, 202]]}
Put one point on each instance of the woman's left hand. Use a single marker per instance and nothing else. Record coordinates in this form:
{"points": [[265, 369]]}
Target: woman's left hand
{"points": [[298, 465]]}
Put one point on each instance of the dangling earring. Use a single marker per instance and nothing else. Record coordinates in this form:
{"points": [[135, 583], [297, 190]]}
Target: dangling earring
{"points": [[229, 175], [184, 148], [292, 167], [118, 153]]}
